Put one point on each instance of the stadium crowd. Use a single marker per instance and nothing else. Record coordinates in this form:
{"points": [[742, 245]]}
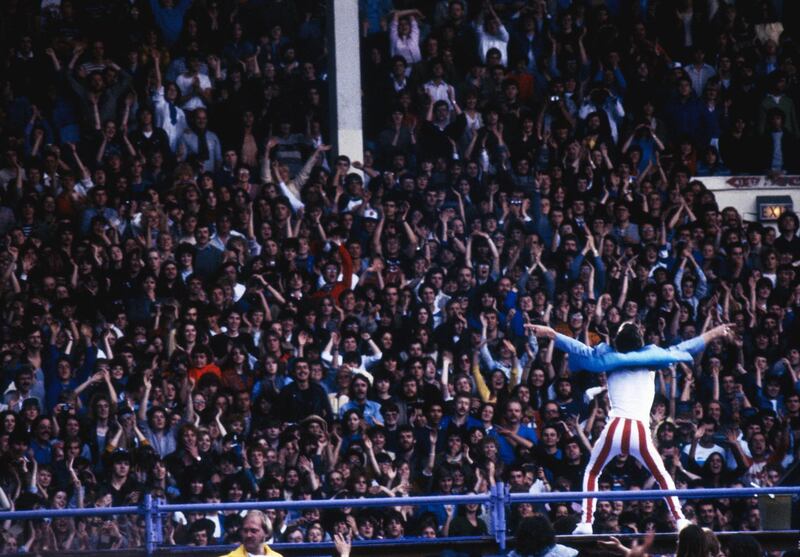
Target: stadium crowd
{"points": [[203, 302]]}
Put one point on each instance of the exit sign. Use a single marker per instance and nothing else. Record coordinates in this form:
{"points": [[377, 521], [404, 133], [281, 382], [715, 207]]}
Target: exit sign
{"points": [[771, 207]]}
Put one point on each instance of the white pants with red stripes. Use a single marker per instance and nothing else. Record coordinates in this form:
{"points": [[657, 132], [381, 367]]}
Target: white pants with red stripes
{"points": [[631, 437]]}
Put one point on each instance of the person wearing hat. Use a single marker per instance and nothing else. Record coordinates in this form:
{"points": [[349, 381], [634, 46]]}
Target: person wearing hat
{"points": [[315, 426], [255, 531]]}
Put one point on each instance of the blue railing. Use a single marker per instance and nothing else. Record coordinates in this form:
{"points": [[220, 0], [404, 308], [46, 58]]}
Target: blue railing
{"points": [[498, 499]]}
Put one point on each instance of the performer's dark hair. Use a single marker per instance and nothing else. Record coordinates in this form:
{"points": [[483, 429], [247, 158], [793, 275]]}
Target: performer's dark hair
{"points": [[628, 338], [692, 542], [534, 535]]}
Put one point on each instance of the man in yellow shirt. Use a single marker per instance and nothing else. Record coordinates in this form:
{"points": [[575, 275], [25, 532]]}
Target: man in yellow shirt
{"points": [[255, 531]]}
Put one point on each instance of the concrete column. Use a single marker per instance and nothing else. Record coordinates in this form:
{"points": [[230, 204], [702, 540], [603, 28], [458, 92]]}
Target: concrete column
{"points": [[344, 77]]}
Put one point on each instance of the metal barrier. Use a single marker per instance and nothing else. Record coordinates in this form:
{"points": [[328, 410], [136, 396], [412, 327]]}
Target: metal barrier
{"points": [[498, 499]]}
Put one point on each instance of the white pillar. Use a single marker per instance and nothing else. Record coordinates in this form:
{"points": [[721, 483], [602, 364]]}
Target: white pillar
{"points": [[344, 77]]}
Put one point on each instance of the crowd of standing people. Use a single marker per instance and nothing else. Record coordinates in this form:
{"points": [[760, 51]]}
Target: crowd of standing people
{"points": [[204, 302]]}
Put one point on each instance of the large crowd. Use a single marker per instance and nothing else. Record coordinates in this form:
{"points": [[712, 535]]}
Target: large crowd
{"points": [[202, 301]]}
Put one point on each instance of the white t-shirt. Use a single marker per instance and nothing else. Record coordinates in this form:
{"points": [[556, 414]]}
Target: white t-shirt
{"points": [[185, 82], [701, 454]]}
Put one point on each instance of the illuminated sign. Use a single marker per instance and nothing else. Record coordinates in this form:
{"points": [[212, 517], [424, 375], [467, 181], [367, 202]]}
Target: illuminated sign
{"points": [[771, 207]]}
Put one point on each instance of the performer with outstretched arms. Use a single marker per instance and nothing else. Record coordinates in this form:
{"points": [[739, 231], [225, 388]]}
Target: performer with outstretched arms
{"points": [[630, 366]]}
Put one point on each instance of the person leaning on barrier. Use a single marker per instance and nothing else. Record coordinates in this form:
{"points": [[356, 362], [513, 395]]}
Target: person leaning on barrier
{"points": [[255, 531]]}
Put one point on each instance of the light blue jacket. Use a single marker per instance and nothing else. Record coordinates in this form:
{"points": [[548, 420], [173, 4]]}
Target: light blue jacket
{"points": [[603, 358]]}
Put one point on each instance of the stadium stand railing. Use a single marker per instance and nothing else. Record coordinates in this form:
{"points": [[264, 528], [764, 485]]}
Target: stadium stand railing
{"points": [[498, 499]]}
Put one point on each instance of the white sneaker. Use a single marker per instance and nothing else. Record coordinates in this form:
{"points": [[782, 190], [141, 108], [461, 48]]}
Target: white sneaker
{"points": [[583, 529], [683, 523]]}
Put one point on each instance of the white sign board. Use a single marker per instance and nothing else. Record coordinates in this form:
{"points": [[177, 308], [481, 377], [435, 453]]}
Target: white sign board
{"points": [[741, 191]]}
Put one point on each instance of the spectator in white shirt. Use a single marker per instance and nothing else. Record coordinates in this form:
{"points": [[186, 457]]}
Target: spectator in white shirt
{"points": [[195, 86], [224, 232], [437, 89], [168, 115], [703, 443], [599, 99], [491, 34], [699, 72], [404, 35]]}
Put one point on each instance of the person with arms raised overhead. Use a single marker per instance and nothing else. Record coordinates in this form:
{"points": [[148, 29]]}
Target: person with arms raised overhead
{"points": [[630, 366]]}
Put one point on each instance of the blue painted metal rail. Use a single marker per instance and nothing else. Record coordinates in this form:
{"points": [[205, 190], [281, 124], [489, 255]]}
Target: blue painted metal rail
{"points": [[644, 494], [328, 503], [497, 499]]}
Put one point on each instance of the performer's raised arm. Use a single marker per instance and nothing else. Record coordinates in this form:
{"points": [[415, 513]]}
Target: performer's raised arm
{"points": [[698, 343], [563, 342]]}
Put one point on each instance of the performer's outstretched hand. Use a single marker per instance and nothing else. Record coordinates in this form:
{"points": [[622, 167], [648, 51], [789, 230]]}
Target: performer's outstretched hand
{"points": [[721, 331], [541, 330]]}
